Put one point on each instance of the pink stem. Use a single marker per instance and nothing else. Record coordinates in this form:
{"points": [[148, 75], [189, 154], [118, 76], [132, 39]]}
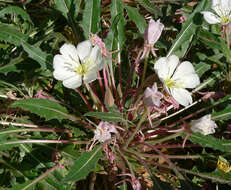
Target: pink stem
{"points": [[46, 141], [105, 78], [84, 98], [101, 84]]}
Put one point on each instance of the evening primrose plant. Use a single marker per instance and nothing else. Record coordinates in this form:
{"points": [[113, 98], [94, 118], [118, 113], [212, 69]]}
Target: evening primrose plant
{"points": [[114, 95]]}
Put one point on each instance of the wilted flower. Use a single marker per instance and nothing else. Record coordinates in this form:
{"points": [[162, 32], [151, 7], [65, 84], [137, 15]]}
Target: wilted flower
{"points": [[103, 131], [151, 35], [75, 66], [177, 78], [222, 14], [152, 96], [204, 125], [153, 31]]}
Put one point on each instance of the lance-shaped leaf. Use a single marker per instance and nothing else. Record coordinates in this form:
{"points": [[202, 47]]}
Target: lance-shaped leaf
{"points": [[44, 108], [210, 141], [107, 116], [222, 115], [137, 18], [38, 55], [188, 31], [67, 7], [91, 18], [116, 36], [12, 35], [16, 10], [84, 165]]}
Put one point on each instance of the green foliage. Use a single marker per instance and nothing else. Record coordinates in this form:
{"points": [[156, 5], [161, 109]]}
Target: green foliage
{"points": [[189, 29], [91, 18], [84, 165], [210, 141], [43, 107], [138, 19]]}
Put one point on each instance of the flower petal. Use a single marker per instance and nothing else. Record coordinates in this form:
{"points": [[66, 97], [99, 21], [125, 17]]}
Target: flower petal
{"points": [[97, 58], [62, 74], [70, 53], [84, 49], [190, 81], [172, 63], [184, 69], [210, 17], [73, 82], [182, 96], [165, 66], [90, 76]]}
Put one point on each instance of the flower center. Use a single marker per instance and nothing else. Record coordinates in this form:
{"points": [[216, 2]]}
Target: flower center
{"points": [[225, 19], [83, 69], [169, 82]]}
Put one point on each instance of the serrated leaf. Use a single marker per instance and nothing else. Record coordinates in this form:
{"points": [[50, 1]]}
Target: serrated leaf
{"points": [[12, 35], [188, 30], [84, 165], [91, 17], [38, 55], [43, 107], [107, 116], [210, 141], [12, 66], [16, 10], [137, 18]]}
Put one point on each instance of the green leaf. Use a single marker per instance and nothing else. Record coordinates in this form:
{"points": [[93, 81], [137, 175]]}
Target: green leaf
{"points": [[222, 115], [137, 18], [214, 77], [43, 107], [16, 10], [12, 66], [188, 30], [201, 68], [106, 116], [116, 36], [67, 7], [150, 7], [38, 55], [84, 165], [160, 185], [218, 176], [210, 141], [91, 18], [12, 35]]}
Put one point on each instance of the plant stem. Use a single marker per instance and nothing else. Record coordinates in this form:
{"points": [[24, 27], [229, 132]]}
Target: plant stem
{"points": [[37, 129], [41, 177], [142, 119], [165, 138], [145, 67], [172, 166], [84, 98], [44, 141]]}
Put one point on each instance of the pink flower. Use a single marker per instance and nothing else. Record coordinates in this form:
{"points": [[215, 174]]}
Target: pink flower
{"points": [[151, 35], [153, 31], [152, 97], [103, 131]]}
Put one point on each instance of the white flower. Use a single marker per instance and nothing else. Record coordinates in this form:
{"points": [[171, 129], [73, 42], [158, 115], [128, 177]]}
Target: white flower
{"points": [[204, 125], [78, 65], [103, 131], [222, 9], [176, 79]]}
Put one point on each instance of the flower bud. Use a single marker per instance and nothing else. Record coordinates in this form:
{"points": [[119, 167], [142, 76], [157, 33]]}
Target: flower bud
{"points": [[153, 31]]}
